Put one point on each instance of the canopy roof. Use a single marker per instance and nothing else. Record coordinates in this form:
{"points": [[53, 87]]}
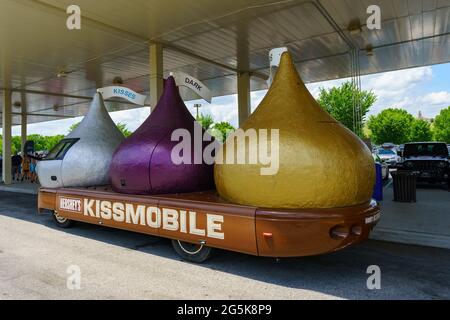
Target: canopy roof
{"points": [[211, 40]]}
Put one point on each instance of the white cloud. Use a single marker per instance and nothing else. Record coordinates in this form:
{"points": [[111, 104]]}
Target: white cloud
{"points": [[437, 98], [49, 128], [256, 98], [401, 89], [396, 83], [132, 118], [221, 109], [314, 88]]}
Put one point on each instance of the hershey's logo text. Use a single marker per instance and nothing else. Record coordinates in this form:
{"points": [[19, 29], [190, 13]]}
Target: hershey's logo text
{"points": [[70, 204]]}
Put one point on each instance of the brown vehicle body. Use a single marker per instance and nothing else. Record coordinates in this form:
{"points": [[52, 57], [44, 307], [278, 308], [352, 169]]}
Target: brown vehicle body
{"points": [[206, 218]]}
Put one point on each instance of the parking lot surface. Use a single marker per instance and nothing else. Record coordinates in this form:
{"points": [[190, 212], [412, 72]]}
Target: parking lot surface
{"points": [[36, 259]]}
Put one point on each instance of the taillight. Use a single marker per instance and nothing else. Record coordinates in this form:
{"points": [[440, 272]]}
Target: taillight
{"points": [[339, 232], [356, 230]]}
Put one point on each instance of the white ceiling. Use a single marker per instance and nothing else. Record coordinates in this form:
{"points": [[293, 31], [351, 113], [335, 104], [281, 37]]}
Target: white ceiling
{"points": [[235, 35]]}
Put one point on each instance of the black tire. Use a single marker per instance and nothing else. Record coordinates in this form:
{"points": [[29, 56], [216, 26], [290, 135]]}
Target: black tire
{"points": [[62, 222], [196, 253]]}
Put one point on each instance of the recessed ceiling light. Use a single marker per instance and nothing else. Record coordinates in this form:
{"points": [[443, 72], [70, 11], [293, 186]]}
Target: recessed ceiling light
{"points": [[117, 81], [61, 74], [354, 27]]}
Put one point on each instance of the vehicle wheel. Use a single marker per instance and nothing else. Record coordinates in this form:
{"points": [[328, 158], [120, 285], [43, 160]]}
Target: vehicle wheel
{"points": [[197, 253], [62, 222]]}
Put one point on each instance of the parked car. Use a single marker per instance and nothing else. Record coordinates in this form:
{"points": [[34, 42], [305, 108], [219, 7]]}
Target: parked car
{"points": [[388, 145], [400, 150], [429, 160], [384, 166], [389, 156], [375, 148]]}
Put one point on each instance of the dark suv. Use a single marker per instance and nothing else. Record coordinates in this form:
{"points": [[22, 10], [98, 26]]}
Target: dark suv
{"points": [[429, 160]]}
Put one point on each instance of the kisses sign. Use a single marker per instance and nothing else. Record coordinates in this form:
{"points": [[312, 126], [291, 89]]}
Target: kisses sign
{"points": [[124, 93]]}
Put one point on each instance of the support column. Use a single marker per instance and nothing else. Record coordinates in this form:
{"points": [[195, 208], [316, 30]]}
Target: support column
{"points": [[244, 103], [156, 73], [23, 126], [6, 126]]}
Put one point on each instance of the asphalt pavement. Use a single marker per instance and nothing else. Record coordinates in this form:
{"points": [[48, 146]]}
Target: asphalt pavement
{"points": [[39, 261]]}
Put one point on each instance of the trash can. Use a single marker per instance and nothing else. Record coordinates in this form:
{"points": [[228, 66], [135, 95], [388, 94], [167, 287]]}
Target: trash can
{"points": [[378, 190], [405, 186]]}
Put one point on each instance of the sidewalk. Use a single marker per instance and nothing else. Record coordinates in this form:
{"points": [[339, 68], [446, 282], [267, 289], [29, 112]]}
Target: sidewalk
{"points": [[426, 222], [20, 187]]}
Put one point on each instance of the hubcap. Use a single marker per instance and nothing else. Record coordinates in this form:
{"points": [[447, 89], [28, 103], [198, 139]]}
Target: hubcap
{"points": [[190, 248], [59, 218]]}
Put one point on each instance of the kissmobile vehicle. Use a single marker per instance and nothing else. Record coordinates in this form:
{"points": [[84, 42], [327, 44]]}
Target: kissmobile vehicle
{"points": [[307, 208]]}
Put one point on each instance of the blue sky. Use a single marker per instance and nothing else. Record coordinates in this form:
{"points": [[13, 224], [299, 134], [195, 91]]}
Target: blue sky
{"points": [[425, 89]]}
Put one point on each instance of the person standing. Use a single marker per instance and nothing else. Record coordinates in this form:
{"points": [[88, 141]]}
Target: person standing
{"points": [[33, 163], [25, 168], [16, 161]]}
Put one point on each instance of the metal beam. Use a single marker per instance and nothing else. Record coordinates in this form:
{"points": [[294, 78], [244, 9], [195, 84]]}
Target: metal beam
{"points": [[44, 115], [243, 88], [156, 73], [6, 126], [63, 95], [54, 94], [393, 44], [23, 122]]}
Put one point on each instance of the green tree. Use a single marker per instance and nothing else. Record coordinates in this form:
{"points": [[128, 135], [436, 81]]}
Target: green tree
{"points": [[73, 127], [420, 131], [121, 126], [41, 143], [222, 130], [206, 121], [339, 103], [52, 141], [442, 126], [16, 144], [391, 125]]}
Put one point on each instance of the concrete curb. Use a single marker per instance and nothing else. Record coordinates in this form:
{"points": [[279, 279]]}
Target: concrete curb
{"points": [[411, 237], [18, 190]]}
